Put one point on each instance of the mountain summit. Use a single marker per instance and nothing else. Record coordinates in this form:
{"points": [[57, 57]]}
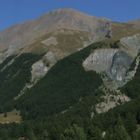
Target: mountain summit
{"points": [[23, 34]]}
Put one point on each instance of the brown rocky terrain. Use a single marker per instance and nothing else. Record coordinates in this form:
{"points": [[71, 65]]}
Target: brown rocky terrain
{"points": [[22, 35], [62, 32], [135, 23]]}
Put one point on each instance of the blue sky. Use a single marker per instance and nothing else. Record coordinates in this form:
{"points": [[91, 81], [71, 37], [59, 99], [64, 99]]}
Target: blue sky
{"points": [[17, 11]]}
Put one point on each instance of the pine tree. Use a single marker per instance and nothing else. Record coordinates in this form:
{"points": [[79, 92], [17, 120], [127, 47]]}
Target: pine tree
{"points": [[74, 133], [94, 133], [79, 131], [130, 123], [136, 135], [120, 132]]}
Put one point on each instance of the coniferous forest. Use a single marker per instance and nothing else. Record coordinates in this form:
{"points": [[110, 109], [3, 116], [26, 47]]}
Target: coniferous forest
{"points": [[62, 104]]}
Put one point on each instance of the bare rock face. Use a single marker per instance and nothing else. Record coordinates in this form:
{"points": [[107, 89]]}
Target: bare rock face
{"points": [[131, 45], [113, 63], [132, 72], [41, 67], [38, 70], [120, 65], [100, 60]]}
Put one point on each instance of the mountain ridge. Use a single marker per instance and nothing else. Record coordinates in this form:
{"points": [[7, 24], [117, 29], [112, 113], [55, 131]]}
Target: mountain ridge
{"points": [[80, 81]]}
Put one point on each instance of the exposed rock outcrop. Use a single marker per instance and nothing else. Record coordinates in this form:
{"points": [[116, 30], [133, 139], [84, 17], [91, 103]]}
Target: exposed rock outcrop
{"points": [[131, 45], [39, 70], [120, 65], [111, 101], [41, 67], [100, 60], [132, 72], [115, 63]]}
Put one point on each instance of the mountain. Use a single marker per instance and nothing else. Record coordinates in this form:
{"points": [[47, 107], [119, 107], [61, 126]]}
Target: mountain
{"points": [[47, 33], [70, 76], [49, 29]]}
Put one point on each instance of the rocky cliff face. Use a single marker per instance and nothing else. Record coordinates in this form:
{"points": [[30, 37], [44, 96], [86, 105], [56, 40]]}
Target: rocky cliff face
{"points": [[100, 60], [131, 45], [120, 64], [115, 63], [41, 67]]}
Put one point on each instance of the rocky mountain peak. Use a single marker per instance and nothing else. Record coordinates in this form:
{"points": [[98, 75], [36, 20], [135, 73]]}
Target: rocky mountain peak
{"points": [[18, 37]]}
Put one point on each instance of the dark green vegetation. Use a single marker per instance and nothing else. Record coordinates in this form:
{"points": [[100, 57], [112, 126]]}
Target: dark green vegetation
{"points": [[62, 87], [61, 105], [14, 77], [132, 88]]}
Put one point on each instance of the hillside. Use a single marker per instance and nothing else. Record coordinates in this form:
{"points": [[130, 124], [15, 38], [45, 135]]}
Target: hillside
{"points": [[47, 33], [70, 76], [67, 93], [52, 25]]}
